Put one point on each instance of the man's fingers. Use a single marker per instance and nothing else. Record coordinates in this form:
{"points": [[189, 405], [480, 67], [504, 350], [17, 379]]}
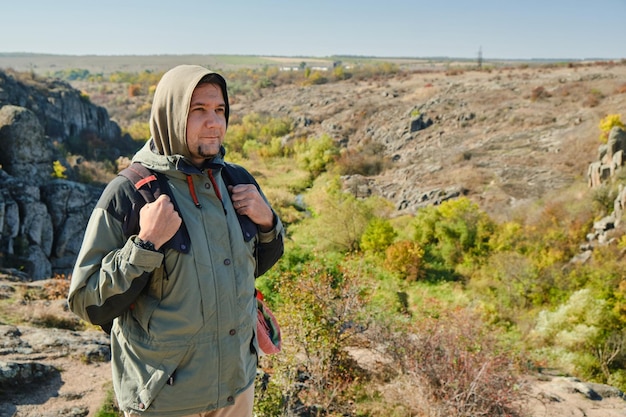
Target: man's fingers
{"points": [[164, 198]]}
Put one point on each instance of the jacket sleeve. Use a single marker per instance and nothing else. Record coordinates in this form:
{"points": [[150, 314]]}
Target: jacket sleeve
{"points": [[110, 270]]}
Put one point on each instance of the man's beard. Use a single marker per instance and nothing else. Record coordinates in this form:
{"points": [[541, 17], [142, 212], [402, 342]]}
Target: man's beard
{"points": [[205, 151]]}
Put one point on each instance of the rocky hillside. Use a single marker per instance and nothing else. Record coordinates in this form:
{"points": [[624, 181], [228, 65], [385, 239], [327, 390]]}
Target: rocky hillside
{"points": [[504, 137]]}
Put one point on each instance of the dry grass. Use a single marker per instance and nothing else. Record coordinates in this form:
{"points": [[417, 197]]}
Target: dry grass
{"points": [[40, 303]]}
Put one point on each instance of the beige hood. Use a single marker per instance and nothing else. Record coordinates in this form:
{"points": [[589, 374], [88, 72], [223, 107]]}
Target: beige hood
{"points": [[170, 107]]}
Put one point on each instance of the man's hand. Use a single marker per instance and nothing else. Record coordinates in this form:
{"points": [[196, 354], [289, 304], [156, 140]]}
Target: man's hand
{"points": [[248, 201], [158, 221]]}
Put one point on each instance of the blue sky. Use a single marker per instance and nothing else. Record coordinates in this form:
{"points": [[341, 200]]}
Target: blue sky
{"points": [[510, 29]]}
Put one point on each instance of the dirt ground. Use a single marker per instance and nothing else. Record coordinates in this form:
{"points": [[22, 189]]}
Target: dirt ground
{"points": [[79, 390]]}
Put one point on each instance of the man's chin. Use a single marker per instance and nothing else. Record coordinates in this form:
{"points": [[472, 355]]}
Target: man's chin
{"points": [[210, 153]]}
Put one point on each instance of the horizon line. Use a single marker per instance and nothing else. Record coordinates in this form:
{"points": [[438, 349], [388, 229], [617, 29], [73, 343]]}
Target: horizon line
{"points": [[355, 56]]}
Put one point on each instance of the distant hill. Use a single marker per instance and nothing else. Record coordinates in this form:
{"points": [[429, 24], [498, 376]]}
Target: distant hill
{"points": [[45, 64]]}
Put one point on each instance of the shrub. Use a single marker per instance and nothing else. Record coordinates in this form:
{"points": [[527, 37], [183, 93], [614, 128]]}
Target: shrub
{"points": [[507, 284], [603, 198], [457, 361], [406, 259], [378, 235], [582, 336], [257, 133], [134, 90], [109, 408], [455, 233], [539, 93], [367, 159], [139, 131], [315, 78], [338, 219], [340, 73], [315, 155], [607, 124], [57, 288], [314, 372]]}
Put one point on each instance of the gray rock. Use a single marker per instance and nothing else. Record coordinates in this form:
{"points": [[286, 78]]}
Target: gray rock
{"points": [[24, 152], [15, 374]]}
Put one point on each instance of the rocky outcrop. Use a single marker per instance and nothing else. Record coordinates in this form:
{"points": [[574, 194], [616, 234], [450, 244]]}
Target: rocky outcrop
{"points": [[25, 152], [610, 158], [62, 111], [610, 162], [42, 218], [52, 372]]}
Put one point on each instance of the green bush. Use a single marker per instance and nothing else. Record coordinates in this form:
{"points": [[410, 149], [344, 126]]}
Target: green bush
{"points": [[454, 234], [257, 133], [338, 219], [378, 235], [317, 154], [321, 307], [581, 336]]}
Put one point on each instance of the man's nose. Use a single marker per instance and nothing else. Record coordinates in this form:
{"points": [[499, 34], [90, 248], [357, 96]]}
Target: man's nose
{"points": [[212, 118]]}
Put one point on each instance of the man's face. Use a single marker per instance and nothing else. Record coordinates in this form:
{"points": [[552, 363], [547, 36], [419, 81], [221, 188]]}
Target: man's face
{"points": [[206, 122]]}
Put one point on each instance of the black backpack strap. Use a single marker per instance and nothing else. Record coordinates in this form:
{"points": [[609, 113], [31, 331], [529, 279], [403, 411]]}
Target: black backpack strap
{"points": [[266, 254], [149, 186], [146, 182], [233, 175]]}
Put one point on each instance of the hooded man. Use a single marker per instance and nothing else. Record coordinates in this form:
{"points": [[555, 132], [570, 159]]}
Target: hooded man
{"points": [[186, 344]]}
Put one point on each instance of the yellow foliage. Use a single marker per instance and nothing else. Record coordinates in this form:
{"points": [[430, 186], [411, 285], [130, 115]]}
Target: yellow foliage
{"points": [[405, 258], [607, 124], [139, 131], [58, 170]]}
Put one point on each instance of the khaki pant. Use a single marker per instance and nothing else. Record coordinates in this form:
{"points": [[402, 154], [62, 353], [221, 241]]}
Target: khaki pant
{"points": [[242, 407]]}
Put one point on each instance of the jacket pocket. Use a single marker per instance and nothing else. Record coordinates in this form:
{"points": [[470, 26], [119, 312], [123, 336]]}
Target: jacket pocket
{"points": [[141, 372], [143, 309], [149, 300]]}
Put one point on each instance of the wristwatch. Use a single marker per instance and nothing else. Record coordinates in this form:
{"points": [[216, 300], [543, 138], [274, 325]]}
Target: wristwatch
{"points": [[145, 244]]}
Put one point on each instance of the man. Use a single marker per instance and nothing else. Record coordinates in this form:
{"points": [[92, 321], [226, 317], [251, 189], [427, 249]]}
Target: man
{"points": [[186, 344]]}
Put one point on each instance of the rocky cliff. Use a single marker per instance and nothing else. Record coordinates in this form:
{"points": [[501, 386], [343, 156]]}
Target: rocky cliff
{"points": [[62, 111], [42, 218]]}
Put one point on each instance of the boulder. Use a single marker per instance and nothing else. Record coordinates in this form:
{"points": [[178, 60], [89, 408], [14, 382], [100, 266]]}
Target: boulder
{"points": [[24, 151]]}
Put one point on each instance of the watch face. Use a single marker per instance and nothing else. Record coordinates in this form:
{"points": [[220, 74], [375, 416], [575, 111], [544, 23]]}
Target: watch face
{"points": [[145, 244]]}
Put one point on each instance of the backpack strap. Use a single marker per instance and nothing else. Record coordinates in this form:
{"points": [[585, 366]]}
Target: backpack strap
{"points": [[266, 254], [233, 175], [149, 186]]}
